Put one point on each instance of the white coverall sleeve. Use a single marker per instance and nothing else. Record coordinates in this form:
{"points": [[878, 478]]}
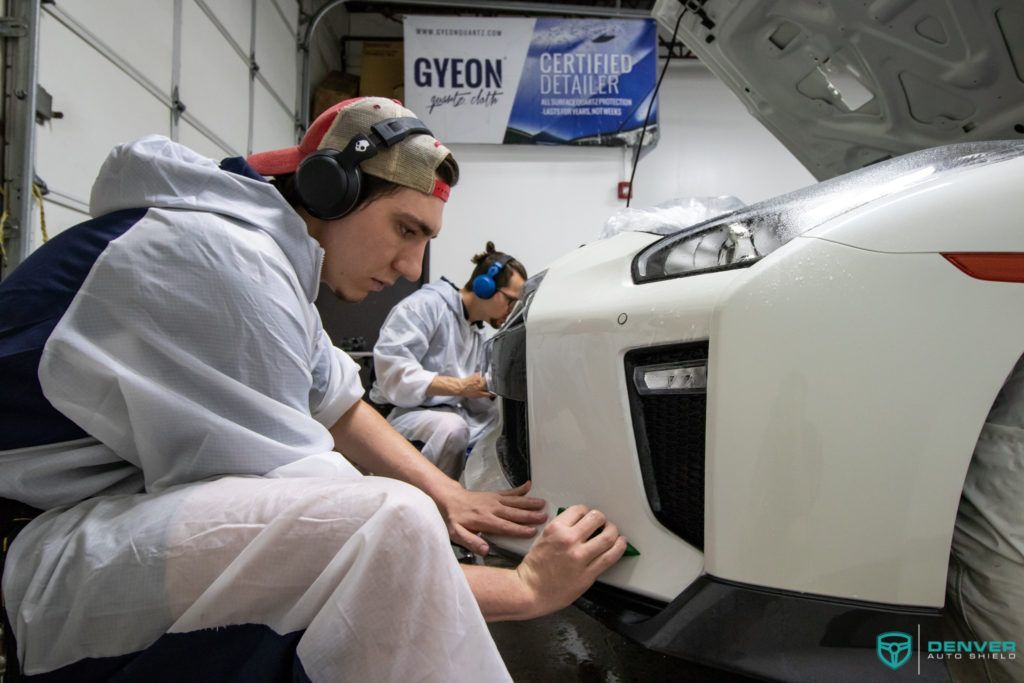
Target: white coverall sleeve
{"points": [[193, 354], [333, 391], [397, 356]]}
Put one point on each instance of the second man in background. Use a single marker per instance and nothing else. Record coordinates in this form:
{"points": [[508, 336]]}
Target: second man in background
{"points": [[429, 359]]}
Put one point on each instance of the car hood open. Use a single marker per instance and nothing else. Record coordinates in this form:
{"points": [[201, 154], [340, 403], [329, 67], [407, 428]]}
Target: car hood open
{"points": [[846, 84]]}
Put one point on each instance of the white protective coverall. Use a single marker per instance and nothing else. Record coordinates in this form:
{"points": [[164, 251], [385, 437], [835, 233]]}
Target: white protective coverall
{"points": [[202, 518], [426, 335]]}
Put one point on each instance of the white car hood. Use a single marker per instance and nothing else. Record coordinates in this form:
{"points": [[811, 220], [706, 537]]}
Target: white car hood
{"points": [[846, 84]]}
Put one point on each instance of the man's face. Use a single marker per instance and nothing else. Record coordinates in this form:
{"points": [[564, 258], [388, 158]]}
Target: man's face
{"points": [[504, 300], [370, 248]]}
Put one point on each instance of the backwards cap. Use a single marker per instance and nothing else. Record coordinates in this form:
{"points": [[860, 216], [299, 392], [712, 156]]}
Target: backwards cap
{"points": [[413, 162]]}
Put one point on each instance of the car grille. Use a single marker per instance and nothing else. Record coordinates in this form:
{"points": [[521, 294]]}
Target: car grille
{"points": [[669, 431], [514, 442], [508, 380]]}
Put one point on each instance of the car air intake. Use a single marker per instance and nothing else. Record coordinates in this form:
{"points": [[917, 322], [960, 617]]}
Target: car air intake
{"points": [[668, 402], [508, 380], [514, 442]]}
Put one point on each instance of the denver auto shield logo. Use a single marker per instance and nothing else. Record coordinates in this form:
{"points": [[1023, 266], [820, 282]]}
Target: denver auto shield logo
{"points": [[893, 648]]}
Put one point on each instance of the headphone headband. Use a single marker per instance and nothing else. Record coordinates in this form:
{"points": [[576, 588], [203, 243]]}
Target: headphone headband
{"points": [[498, 264], [329, 181], [392, 131]]}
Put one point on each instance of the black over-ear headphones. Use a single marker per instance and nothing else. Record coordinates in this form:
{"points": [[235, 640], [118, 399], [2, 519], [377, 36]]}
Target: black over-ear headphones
{"points": [[329, 182], [484, 285]]}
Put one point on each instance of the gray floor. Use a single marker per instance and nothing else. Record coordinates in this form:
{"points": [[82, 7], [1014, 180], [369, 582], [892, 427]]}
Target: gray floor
{"points": [[571, 646]]}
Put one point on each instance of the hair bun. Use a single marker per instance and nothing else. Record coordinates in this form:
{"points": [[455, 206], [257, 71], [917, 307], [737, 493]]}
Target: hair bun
{"points": [[489, 251]]}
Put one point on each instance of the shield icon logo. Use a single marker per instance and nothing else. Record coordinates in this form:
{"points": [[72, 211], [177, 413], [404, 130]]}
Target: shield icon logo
{"points": [[893, 648]]}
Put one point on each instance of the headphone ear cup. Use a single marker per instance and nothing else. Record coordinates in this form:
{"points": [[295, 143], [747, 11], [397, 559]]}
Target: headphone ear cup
{"points": [[484, 286], [326, 188]]}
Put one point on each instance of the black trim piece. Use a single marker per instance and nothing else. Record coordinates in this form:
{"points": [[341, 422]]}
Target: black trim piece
{"points": [[508, 363], [669, 430], [611, 605], [513, 445], [769, 633], [508, 380]]}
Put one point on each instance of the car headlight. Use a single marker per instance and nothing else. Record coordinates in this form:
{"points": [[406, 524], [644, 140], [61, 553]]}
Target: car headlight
{"points": [[743, 237], [722, 244]]}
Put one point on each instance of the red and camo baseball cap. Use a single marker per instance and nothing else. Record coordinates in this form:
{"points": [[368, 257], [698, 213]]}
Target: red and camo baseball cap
{"points": [[413, 162]]}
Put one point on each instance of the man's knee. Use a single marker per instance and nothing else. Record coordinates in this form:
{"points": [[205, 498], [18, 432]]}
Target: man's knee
{"points": [[406, 509], [453, 429]]}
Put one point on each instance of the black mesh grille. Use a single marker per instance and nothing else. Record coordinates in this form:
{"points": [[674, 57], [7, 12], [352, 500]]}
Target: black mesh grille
{"points": [[669, 432], [508, 380], [514, 442]]}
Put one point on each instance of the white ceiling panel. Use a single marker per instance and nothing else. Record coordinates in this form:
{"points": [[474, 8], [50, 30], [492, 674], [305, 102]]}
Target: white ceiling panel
{"points": [[235, 16], [290, 10], [273, 127], [276, 51], [102, 107], [214, 80], [194, 139], [146, 45]]}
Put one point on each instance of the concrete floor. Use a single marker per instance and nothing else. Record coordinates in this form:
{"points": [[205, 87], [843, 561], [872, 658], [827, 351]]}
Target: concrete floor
{"points": [[571, 646]]}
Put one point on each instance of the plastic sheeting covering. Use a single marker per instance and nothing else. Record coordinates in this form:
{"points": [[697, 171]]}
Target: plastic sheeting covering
{"points": [[986, 575], [669, 217]]}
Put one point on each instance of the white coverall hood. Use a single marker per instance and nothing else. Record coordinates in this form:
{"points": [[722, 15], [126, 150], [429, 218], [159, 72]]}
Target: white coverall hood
{"points": [[158, 173]]}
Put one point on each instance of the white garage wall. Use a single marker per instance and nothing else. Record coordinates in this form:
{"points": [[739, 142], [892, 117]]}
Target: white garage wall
{"points": [[102, 106], [111, 65], [215, 79]]}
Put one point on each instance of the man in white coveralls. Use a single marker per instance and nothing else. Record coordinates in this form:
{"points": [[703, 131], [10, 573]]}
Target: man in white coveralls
{"points": [[429, 359], [172, 405]]}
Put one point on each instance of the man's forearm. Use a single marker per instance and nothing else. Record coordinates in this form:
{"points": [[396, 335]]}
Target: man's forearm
{"points": [[572, 551], [501, 594], [443, 385], [369, 441]]}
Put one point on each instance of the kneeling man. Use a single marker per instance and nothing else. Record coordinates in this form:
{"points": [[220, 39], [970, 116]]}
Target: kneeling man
{"points": [[429, 359]]}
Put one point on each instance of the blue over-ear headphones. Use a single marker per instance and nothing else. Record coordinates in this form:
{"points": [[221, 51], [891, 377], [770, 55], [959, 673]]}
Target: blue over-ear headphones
{"points": [[484, 285]]}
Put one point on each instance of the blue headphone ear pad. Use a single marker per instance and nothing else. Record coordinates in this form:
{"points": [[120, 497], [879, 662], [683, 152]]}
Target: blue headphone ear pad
{"points": [[484, 286]]}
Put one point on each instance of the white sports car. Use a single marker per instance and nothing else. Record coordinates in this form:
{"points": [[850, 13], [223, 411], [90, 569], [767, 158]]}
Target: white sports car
{"points": [[778, 407]]}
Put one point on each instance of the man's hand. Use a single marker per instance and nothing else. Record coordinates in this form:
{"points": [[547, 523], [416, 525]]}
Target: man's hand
{"points": [[474, 386], [509, 513], [565, 561], [368, 441]]}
